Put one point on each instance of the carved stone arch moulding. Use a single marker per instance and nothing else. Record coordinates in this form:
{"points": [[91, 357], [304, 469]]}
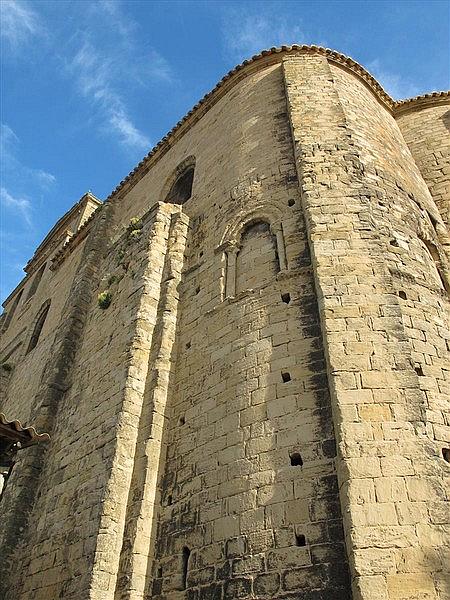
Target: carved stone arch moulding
{"points": [[230, 243]]}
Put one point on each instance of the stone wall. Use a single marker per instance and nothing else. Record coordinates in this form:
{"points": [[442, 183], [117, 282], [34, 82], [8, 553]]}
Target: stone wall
{"points": [[26, 366], [427, 132], [247, 394]]}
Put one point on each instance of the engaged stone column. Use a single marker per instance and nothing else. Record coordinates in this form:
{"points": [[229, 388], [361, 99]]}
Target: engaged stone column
{"points": [[230, 285], [277, 230]]}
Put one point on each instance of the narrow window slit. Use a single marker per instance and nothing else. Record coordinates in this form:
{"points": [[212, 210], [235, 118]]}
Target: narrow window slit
{"points": [[197, 290], [185, 559], [159, 572], [296, 459], [286, 377], [182, 420], [38, 326], [169, 500], [286, 297], [419, 371]]}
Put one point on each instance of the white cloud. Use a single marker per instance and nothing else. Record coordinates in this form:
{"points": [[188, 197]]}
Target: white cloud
{"points": [[12, 166], [107, 66], [110, 9], [159, 68], [130, 135], [21, 206], [8, 139], [246, 34], [19, 22], [46, 179], [395, 85], [16, 177], [95, 75]]}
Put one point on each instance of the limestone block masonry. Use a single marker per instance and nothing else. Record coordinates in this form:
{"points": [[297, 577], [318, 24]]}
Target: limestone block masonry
{"points": [[243, 356]]}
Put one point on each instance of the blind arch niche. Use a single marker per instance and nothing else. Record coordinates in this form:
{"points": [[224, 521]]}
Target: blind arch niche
{"points": [[257, 261]]}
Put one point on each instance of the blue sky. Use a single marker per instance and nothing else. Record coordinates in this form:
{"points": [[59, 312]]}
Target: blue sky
{"points": [[89, 87]]}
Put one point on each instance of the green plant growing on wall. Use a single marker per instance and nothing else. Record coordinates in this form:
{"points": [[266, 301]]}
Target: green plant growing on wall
{"points": [[135, 223], [104, 299], [134, 228], [133, 235]]}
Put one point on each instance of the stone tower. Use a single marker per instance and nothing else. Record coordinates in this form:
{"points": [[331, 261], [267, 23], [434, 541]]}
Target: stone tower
{"points": [[242, 356]]}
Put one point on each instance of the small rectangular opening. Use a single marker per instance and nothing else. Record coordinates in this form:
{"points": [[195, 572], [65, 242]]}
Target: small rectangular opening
{"points": [[185, 558], [285, 377], [296, 459], [300, 539]]}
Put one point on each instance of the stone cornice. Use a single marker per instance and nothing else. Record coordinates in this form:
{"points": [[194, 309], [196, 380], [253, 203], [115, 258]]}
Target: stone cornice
{"points": [[246, 68], [53, 238], [421, 102], [73, 242]]}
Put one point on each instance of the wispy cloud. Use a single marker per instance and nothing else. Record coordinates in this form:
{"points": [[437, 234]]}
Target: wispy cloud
{"points": [[16, 177], [111, 9], [7, 139], [131, 136], [13, 167], [394, 84], [103, 57], [107, 67], [95, 75], [22, 206], [45, 179], [19, 22], [158, 67], [246, 32]]}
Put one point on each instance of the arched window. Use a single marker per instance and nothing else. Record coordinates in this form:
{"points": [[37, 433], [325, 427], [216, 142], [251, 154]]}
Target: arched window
{"points": [[10, 313], [42, 315], [436, 262], [181, 189], [36, 281]]}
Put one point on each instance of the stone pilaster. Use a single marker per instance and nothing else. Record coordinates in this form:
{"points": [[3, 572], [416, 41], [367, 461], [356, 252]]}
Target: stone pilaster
{"points": [[144, 495], [149, 264]]}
